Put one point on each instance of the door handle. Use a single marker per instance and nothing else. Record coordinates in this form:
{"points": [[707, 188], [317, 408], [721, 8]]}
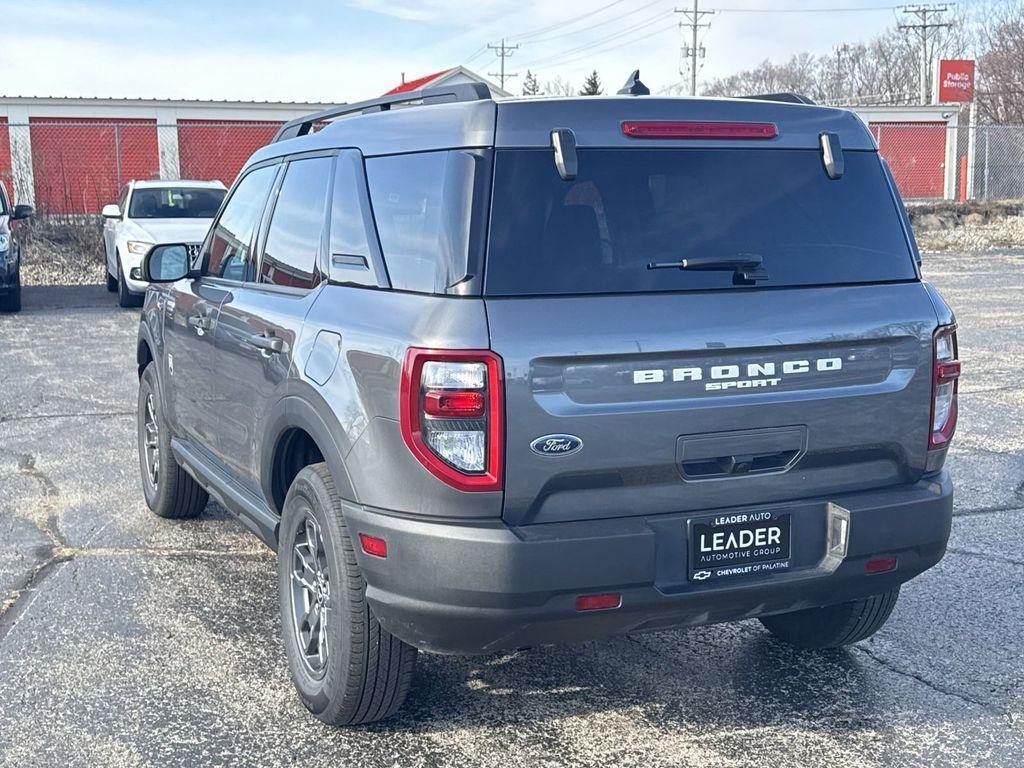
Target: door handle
{"points": [[274, 345]]}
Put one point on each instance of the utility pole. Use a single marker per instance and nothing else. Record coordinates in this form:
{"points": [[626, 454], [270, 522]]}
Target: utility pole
{"points": [[928, 18], [502, 51], [693, 51]]}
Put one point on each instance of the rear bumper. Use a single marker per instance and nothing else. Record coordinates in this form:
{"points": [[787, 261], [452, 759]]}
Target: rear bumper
{"points": [[476, 588]]}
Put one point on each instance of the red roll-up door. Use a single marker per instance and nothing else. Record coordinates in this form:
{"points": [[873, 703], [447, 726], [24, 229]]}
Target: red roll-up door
{"points": [[916, 153], [80, 164], [6, 177], [216, 150]]}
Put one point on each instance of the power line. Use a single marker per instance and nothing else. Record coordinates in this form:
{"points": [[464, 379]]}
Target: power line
{"points": [[554, 58], [502, 51], [693, 21], [563, 22], [923, 28], [670, 28], [867, 9], [631, 12]]}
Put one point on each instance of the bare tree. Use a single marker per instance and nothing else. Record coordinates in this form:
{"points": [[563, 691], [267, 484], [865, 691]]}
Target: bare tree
{"points": [[882, 71], [1000, 88], [558, 87]]}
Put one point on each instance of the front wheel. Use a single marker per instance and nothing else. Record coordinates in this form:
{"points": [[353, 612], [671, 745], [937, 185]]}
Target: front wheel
{"points": [[347, 669], [170, 491], [834, 625], [111, 283]]}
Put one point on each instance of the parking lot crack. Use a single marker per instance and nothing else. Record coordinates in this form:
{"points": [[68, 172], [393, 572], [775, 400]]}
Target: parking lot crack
{"points": [[943, 690], [985, 556], [86, 415], [988, 510]]}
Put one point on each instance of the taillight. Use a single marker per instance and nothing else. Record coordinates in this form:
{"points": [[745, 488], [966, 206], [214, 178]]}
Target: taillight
{"points": [[698, 129], [945, 380], [451, 415]]}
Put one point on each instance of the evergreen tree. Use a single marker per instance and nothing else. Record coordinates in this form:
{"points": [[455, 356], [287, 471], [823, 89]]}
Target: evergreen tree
{"points": [[592, 85], [530, 85]]}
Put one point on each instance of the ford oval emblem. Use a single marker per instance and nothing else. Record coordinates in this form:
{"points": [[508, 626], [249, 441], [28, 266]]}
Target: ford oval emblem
{"points": [[556, 445]]}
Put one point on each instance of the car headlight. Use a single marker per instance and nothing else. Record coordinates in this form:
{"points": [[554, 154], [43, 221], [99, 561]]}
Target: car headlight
{"points": [[5, 241], [139, 248]]}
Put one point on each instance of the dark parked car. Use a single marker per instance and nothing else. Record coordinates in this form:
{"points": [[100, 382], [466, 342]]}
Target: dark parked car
{"points": [[10, 252], [490, 374]]}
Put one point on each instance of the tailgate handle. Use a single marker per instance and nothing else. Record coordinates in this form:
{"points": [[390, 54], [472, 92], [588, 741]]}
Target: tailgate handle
{"points": [[741, 453]]}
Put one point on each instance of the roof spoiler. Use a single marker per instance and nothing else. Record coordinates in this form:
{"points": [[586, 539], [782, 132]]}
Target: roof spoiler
{"points": [[786, 97], [441, 94]]}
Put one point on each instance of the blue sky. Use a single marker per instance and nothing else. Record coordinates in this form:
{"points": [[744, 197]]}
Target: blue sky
{"points": [[344, 50]]}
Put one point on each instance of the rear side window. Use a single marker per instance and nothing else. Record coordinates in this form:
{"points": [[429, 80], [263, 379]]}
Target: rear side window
{"points": [[628, 208], [231, 244], [292, 252], [348, 227], [423, 206]]}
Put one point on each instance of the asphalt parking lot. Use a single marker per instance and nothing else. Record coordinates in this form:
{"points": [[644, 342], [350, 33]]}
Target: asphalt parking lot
{"points": [[128, 640]]}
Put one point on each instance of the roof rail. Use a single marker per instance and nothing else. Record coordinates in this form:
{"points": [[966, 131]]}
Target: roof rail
{"points": [[789, 98], [441, 94]]}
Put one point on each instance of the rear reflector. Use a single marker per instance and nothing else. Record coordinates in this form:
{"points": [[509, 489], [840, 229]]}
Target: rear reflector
{"points": [[598, 602], [691, 129], [373, 546], [880, 565]]}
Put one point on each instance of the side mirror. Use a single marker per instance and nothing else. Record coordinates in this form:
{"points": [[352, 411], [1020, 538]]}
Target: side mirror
{"points": [[22, 212], [166, 264], [111, 211]]}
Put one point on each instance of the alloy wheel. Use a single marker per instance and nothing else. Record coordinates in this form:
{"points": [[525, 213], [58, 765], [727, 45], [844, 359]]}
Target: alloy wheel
{"points": [[152, 441], [311, 594]]}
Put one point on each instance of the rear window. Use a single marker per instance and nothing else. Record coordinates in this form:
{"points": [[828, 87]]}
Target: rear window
{"points": [[627, 208]]}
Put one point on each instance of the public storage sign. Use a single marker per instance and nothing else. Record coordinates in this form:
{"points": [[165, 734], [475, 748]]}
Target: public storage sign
{"points": [[956, 80]]}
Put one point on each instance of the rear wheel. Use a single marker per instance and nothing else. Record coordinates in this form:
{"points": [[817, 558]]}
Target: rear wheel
{"points": [[170, 491], [12, 301], [833, 625], [347, 668]]}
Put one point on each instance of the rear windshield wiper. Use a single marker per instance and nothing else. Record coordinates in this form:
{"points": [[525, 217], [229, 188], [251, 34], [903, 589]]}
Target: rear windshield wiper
{"points": [[745, 266]]}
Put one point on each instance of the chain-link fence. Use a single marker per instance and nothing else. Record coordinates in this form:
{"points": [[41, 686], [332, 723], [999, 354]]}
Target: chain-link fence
{"points": [[76, 166], [933, 160]]}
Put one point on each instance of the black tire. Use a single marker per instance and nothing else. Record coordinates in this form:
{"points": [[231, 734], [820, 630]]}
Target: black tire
{"points": [[834, 625], [12, 301], [174, 494], [111, 283], [365, 674], [125, 298]]}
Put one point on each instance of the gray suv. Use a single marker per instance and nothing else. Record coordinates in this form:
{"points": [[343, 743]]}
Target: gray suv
{"points": [[491, 374]]}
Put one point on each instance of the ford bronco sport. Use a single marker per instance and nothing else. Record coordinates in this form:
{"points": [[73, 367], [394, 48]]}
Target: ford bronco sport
{"points": [[490, 374]]}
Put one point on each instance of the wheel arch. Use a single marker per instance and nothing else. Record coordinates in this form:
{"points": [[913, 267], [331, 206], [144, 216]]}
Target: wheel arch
{"points": [[300, 431]]}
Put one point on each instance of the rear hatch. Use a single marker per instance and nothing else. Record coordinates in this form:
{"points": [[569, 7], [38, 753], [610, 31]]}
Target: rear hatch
{"points": [[638, 391]]}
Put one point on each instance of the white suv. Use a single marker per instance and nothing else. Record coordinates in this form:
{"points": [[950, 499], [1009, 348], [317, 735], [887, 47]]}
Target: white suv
{"points": [[148, 213]]}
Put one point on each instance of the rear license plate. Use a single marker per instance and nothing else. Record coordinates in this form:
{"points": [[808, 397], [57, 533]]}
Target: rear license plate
{"points": [[741, 544]]}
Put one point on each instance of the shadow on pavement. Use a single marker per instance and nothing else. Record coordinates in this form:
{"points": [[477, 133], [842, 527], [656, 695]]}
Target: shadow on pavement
{"points": [[37, 297]]}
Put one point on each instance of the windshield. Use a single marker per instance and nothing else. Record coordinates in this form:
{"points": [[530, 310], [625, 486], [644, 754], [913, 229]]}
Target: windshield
{"points": [[175, 203], [628, 208]]}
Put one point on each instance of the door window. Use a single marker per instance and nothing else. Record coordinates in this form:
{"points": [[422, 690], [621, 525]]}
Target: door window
{"points": [[231, 244], [291, 254]]}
